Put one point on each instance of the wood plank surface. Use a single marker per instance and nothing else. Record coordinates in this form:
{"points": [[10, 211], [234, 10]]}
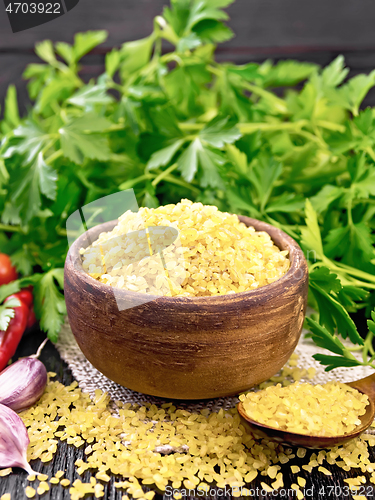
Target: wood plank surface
{"points": [[336, 24], [318, 486], [278, 29]]}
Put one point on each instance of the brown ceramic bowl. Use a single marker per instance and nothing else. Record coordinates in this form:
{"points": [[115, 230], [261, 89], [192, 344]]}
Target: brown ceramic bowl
{"points": [[188, 348]]}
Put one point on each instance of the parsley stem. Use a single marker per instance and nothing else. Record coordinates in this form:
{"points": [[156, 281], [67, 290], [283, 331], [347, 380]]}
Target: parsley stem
{"points": [[132, 182], [249, 128], [164, 174], [371, 153], [279, 104], [335, 127], [312, 137], [54, 156], [61, 231], [339, 266], [191, 126], [10, 229], [179, 182]]}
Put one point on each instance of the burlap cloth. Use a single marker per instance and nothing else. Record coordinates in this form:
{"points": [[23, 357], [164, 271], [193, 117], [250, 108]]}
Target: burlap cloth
{"points": [[90, 379]]}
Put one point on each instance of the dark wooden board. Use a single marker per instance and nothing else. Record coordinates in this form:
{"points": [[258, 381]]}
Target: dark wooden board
{"points": [[257, 23], [278, 29], [318, 487]]}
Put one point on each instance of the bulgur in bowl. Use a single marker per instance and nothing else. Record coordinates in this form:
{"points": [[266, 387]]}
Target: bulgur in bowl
{"points": [[198, 341]]}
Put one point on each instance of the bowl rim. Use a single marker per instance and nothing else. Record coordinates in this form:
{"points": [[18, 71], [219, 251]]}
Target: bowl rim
{"points": [[298, 266]]}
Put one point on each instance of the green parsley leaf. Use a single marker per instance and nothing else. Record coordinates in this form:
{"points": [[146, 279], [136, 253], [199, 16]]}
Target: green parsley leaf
{"points": [[323, 338], [311, 236], [33, 139], [49, 302], [325, 279], [77, 143], [335, 73], [7, 313], [164, 156], [332, 314], [135, 55], [188, 161], [332, 362], [85, 42], [285, 73], [11, 113], [220, 132], [89, 95]]}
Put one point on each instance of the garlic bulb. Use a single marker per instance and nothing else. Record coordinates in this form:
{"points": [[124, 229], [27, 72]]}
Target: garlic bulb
{"points": [[14, 440], [22, 383]]}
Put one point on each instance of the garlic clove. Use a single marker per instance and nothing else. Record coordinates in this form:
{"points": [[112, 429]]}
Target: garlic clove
{"points": [[14, 440], [22, 383]]}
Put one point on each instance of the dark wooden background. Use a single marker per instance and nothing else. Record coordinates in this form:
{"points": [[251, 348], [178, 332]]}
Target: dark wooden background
{"points": [[315, 31]]}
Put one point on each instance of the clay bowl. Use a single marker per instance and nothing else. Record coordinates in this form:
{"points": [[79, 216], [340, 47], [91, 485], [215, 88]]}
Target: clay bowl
{"points": [[188, 348]]}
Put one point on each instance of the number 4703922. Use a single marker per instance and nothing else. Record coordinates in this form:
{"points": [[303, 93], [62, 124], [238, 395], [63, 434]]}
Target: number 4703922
{"points": [[33, 8]]}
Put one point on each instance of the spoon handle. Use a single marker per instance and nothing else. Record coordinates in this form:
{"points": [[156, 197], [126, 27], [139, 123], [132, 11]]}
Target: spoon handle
{"points": [[365, 385]]}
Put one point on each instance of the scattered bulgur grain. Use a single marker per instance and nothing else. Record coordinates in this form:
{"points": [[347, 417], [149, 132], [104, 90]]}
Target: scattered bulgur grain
{"points": [[98, 490], [30, 492], [266, 487], [5, 472], [43, 485], [208, 442], [6, 496], [272, 471], [102, 476], [65, 482], [42, 477], [294, 469], [301, 481], [31, 477], [54, 480], [324, 471], [59, 474]]}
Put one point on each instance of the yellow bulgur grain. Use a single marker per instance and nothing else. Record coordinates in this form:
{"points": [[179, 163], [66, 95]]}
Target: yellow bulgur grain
{"points": [[59, 474], [214, 253], [102, 476], [266, 486], [307, 467], [30, 492], [42, 477], [5, 472], [6, 496], [54, 480], [331, 409], [301, 481], [324, 471], [294, 469], [279, 483], [31, 477], [65, 482], [213, 445]]}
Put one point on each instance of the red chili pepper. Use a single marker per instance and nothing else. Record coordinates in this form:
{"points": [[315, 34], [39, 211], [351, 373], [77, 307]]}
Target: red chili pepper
{"points": [[31, 319], [10, 338], [24, 296]]}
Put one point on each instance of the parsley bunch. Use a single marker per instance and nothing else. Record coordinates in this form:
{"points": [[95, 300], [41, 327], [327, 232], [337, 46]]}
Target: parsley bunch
{"points": [[175, 124]]}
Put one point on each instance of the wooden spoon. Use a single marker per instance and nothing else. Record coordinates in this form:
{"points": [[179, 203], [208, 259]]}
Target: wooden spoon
{"points": [[365, 385]]}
